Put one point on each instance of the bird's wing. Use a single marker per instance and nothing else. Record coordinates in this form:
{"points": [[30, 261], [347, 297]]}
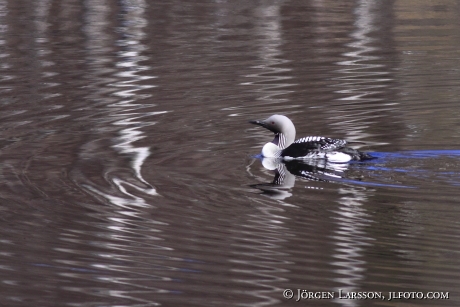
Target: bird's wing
{"points": [[313, 143], [321, 143]]}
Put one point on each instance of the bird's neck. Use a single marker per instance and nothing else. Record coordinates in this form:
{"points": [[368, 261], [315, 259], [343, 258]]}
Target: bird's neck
{"points": [[282, 140]]}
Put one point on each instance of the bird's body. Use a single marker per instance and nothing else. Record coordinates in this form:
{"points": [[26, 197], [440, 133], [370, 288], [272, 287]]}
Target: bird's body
{"points": [[311, 147]]}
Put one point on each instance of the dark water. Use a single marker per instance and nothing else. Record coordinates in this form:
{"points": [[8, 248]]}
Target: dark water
{"points": [[127, 175]]}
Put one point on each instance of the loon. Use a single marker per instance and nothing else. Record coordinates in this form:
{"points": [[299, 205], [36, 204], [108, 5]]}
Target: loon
{"points": [[285, 147]]}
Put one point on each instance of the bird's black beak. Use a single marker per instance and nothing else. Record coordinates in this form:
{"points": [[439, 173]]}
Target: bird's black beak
{"points": [[262, 123], [257, 122]]}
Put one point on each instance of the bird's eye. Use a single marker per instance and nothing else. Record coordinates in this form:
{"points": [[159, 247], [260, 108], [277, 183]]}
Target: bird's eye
{"points": [[273, 123]]}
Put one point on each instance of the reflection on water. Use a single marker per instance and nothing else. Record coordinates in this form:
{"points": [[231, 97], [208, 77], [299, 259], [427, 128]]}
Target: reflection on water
{"points": [[125, 110], [258, 254], [351, 240], [285, 174], [364, 75], [127, 177], [272, 80]]}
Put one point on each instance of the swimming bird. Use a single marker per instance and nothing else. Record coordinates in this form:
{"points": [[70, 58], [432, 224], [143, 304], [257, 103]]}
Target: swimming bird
{"points": [[285, 147]]}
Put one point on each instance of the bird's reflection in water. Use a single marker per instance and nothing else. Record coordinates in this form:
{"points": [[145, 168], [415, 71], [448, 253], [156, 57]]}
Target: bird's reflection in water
{"points": [[287, 171]]}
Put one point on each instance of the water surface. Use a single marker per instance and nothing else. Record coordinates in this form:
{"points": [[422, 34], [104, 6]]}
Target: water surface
{"points": [[128, 176]]}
